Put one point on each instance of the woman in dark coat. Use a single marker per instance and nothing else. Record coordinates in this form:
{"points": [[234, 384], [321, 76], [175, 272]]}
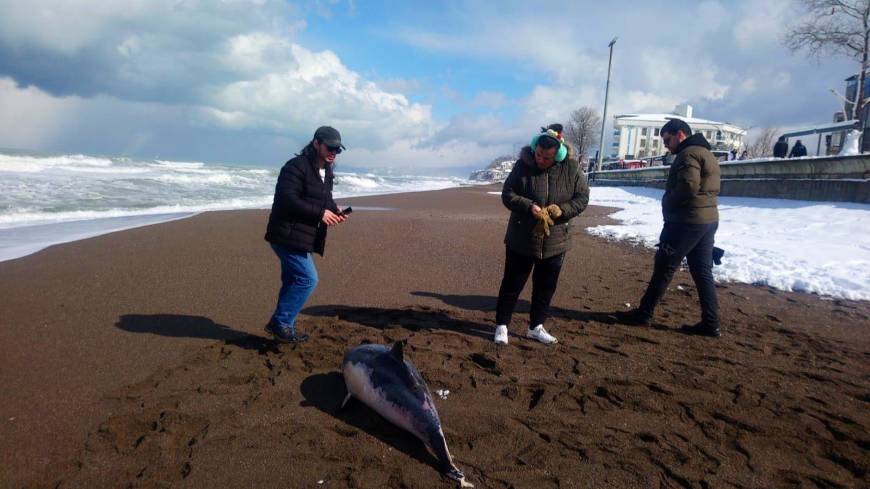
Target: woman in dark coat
{"points": [[544, 191]]}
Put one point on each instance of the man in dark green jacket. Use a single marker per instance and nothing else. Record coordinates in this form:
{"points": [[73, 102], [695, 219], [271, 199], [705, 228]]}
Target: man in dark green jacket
{"points": [[546, 180], [691, 217]]}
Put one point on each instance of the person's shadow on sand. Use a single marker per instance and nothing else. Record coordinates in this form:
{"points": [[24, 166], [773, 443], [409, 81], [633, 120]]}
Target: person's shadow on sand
{"points": [[409, 318], [181, 326], [469, 302], [326, 393], [487, 303]]}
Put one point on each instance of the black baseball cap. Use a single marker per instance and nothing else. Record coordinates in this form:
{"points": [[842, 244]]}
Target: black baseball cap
{"points": [[329, 136]]}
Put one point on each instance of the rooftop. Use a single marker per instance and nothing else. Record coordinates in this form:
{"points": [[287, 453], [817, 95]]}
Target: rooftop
{"points": [[664, 117]]}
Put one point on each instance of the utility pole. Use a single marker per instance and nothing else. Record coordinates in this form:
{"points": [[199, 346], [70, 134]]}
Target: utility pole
{"points": [[604, 116]]}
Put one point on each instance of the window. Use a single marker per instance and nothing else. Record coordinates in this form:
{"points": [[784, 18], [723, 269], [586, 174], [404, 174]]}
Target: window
{"points": [[643, 131], [657, 131]]}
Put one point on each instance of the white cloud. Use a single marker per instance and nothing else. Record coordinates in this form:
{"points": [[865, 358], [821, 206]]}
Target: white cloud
{"points": [[486, 130], [318, 87], [236, 71], [407, 156], [257, 53], [30, 117], [68, 26], [761, 23], [232, 65], [552, 103]]}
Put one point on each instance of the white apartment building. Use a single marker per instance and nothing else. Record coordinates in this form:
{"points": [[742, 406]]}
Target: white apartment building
{"points": [[637, 135]]}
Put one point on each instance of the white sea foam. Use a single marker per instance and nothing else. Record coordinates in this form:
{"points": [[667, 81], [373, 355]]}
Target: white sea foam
{"points": [[98, 193], [353, 181], [180, 165]]}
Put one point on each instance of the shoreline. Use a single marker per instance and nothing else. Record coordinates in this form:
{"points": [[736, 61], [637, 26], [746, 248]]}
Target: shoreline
{"points": [[827, 283], [138, 357], [92, 228]]}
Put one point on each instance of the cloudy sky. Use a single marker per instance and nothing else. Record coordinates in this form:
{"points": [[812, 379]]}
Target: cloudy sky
{"points": [[411, 85]]}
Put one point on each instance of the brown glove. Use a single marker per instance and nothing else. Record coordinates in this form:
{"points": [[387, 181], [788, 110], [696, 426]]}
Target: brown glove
{"points": [[545, 220]]}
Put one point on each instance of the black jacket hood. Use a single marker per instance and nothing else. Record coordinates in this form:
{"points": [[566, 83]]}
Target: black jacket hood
{"points": [[696, 139]]}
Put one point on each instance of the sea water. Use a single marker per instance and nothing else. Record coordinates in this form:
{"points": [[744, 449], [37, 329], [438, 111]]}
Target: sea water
{"points": [[50, 199]]}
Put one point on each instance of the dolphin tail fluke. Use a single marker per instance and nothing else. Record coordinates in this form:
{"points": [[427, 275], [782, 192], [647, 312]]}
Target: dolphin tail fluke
{"points": [[439, 445]]}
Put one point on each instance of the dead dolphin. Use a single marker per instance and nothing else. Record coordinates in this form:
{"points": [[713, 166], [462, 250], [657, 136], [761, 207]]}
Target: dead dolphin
{"points": [[384, 380]]}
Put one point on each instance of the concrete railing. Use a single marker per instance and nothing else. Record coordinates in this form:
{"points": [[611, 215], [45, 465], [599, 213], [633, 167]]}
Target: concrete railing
{"points": [[832, 178]]}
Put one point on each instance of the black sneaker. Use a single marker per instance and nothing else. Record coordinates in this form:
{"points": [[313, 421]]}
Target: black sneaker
{"points": [[285, 334], [702, 329], [634, 317]]}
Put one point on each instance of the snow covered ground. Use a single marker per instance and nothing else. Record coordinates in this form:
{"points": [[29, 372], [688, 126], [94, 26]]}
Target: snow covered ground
{"points": [[818, 247]]}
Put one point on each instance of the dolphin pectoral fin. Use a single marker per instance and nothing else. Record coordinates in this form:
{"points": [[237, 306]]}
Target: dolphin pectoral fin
{"points": [[344, 403], [398, 350]]}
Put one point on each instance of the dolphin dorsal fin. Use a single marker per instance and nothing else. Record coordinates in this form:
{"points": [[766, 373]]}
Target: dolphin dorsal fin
{"points": [[398, 351]]}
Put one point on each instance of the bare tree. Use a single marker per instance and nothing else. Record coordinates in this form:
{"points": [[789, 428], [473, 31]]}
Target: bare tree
{"points": [[836, 27], [762, 145], [582, 131]]}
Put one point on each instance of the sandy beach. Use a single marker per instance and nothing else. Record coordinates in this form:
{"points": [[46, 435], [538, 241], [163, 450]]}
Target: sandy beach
{"points": [[137, 359]]}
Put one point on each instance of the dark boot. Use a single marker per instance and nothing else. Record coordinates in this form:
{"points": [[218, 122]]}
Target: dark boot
{"points": [[702, 329], [634, 317], [285, 334]]}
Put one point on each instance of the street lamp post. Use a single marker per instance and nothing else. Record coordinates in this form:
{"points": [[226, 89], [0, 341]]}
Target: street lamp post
{"points": [[604, 116]]}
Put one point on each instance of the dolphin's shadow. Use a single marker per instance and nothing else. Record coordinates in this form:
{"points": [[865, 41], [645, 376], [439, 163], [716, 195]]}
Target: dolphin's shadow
{"points": [[410, 319], [327, 391]]}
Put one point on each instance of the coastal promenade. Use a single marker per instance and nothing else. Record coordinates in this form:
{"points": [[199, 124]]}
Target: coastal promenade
{"points": [[829, 178], [137, 359]]}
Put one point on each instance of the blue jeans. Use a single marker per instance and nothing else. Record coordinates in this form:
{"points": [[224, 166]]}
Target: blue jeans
{"points": [[298, 279]]}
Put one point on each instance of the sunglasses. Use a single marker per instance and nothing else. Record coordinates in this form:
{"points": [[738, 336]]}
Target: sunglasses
{"points": [[332, 149]]}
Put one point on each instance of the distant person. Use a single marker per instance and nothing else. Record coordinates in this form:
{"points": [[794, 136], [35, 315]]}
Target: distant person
{"points": [[797, 150], [732, 154], [780, 148], [744, 155], [301, 211], [691, 217], [546, 182]]}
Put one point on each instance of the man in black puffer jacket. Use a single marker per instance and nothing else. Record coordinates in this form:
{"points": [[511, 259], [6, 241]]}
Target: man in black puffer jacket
{"points": [[690, 207], [301, 211], [546, 176]]}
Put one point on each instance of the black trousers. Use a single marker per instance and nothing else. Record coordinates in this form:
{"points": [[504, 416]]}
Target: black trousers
{"points": [[695, 243], [516, 272]]}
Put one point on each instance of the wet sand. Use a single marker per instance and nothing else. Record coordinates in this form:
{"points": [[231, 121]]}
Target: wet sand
{"points": [[137, 359]]}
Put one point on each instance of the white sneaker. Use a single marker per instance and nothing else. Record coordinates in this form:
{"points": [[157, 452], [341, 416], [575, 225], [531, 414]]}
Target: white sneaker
{"points": [[501, 336], [541, 334]]}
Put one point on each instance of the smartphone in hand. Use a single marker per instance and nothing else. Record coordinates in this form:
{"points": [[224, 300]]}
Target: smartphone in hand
{"points": [[347, 210]]}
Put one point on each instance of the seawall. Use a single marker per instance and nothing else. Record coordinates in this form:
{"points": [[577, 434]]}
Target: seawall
{"points": [[830, 178]]}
